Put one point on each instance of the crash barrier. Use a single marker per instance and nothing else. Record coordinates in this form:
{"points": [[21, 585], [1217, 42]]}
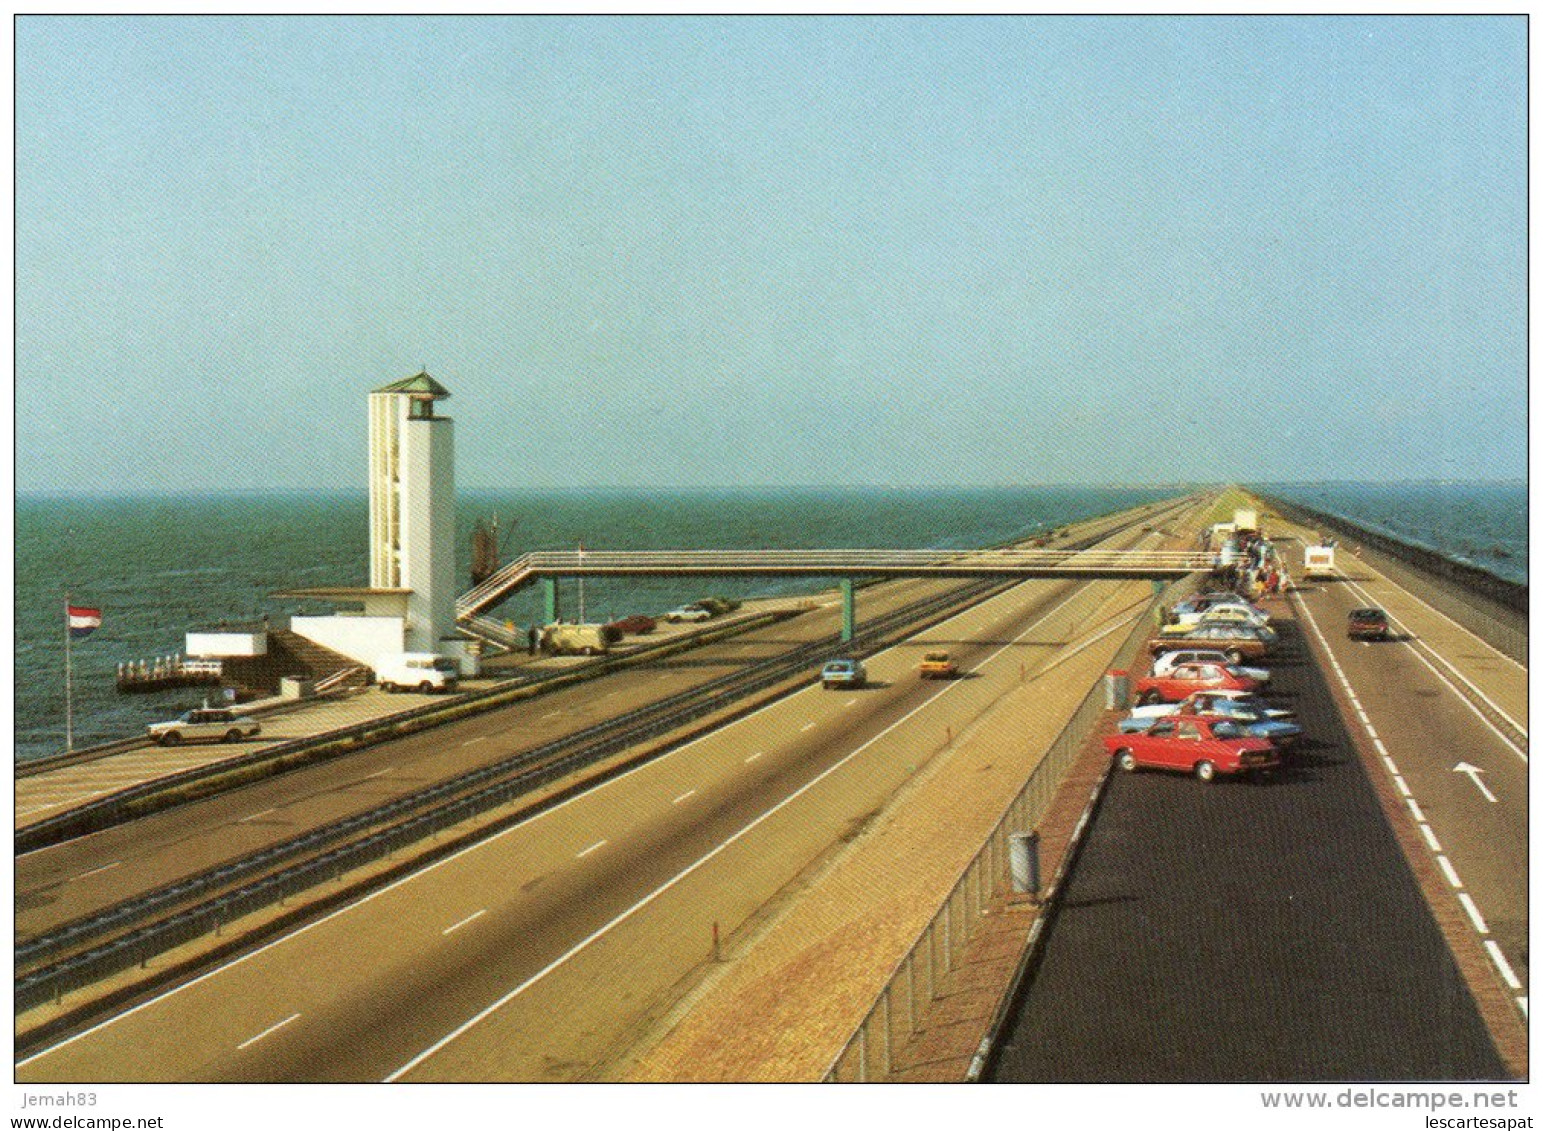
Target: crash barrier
{"points": [[1473, 597], [122, 936], [80, 953], [914, 983]]}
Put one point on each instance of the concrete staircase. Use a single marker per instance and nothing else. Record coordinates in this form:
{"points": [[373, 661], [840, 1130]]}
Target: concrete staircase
{"points": [[292, 656]]}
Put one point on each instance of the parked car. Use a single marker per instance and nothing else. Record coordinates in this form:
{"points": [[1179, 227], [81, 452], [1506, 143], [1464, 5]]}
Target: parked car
{"points": [[636, 625], [937, 665], [205, 724], [1186, 679], [1245, 708], [692, 612], [1368, 624], [1227, 618], [417, 671], [1238, 641], [1192, 609], [843, 673], [1167, 661], [1204, 747]]}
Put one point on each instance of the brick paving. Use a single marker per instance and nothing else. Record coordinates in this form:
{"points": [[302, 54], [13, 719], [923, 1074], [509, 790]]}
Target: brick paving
{"points": [[793, 996]]}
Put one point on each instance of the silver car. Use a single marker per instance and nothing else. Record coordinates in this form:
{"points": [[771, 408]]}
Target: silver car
{"points": [[205, 724]]}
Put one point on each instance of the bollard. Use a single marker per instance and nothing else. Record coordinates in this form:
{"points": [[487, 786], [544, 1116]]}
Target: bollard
{"points": [[1116, 690], [717, 948], [1023, 853]]}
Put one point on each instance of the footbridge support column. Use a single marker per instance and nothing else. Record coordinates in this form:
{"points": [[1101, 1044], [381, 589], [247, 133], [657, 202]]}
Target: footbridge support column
{"points": [[848, 610], [550, 599]]}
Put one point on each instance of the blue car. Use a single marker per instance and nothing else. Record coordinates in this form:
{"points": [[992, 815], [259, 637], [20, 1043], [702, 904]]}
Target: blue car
{"points": [[1256, 717]]}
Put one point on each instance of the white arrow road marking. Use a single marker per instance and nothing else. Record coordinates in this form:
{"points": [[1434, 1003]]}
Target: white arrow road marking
{"points": [[1473, 773]]}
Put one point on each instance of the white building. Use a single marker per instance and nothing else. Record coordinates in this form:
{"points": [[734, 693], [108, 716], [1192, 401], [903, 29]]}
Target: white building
{"points": [[412, 506], [409, 605]]}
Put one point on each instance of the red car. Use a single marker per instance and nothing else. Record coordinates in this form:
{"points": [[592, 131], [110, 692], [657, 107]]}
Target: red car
{"points": [[1184, 680], [1201, 746]]}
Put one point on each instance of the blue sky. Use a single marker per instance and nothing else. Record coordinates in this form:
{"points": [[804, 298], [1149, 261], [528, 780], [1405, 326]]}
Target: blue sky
{"points": [[757, 250]]}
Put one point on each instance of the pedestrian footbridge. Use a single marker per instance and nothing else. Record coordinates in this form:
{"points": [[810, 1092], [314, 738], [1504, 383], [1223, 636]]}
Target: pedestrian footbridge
{"points": [[549, 566]]}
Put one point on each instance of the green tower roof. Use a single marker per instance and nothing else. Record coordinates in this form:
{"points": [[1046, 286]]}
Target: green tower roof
{"points": [[421, 384]]}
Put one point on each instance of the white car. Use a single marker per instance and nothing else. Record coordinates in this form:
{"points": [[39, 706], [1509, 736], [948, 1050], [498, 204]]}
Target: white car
{"points": [[205, 724], [1166, 662], [688, 613]]}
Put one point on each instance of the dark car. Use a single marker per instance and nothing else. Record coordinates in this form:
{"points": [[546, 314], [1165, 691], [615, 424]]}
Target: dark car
{"points": [[1368, 624], [636, 625]]}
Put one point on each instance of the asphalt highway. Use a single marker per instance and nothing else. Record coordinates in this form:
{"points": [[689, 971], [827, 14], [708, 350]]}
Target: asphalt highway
{"points": [[489, 965], [1278, 931]]}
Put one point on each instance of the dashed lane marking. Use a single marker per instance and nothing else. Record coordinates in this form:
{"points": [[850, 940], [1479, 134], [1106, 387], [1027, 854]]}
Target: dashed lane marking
{"points": [[472, 918], [268, 1032]]}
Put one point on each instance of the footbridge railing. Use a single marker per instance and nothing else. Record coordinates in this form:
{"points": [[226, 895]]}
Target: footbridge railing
{"points": [[1009, 562]]}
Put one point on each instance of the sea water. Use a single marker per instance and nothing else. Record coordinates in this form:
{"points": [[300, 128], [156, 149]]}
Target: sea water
{"points": [[160, 565]]}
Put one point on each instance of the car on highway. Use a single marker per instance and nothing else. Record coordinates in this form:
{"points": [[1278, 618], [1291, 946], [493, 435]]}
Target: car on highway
{"points": [[1239, 642], [937, 665], [691, 612], [1257, 717], [843, 673], [205, 724], [1167, 661], [1205, 747], [1186, 679], [638, 624], [1368, 624]]}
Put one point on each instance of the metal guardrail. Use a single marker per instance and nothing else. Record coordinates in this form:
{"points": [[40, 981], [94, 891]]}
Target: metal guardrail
{"points": [[914, 982], [264, 877], [1491, 607], [268, 876]]}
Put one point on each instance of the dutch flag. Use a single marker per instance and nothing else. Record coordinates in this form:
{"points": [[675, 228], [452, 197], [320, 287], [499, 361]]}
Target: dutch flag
{"points": [[82, 621]]}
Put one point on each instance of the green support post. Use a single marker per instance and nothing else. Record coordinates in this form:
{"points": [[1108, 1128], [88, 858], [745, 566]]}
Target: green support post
{"points": [[553, 605], [848, 610]]}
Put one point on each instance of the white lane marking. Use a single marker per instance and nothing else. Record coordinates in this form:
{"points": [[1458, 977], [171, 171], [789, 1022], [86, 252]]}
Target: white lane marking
{"points": [[379, 773], [1403, 786], [1430, 837], [472, 918], [103, 868], [1497, 956], [591, 848], [601, 931], [268, 1032], [550, 715], [254, 816], [1473, 912], [850, 703], [1356, 586], [479, 738], [1414, 807], [1473, 773], [1420, 654], [445, 861], [806, 726], [682, 797]]}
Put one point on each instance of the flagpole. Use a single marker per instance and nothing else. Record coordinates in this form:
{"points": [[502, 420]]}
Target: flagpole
{"points": [[69, 684]]}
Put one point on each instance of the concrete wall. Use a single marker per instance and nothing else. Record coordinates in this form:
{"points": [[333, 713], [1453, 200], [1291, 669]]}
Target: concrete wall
{"points": [[364, 639], [227, 644]]}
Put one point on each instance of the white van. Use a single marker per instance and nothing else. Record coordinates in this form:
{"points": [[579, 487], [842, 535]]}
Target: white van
{"points": [[1318, 561], [416, 671]]}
